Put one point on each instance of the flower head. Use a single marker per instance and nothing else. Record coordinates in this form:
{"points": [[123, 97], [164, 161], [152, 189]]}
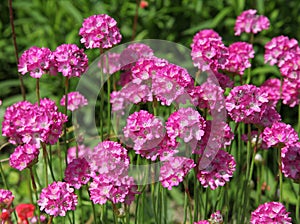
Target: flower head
{"points": [[6, 198], [291, 92], [36, 61], [216, 218], [290, 160], [99, 31], [70, 60], [75, 101], [57, 199], [25, 211], [272, 87], [249, 22], [24, 156], [270, 212]]}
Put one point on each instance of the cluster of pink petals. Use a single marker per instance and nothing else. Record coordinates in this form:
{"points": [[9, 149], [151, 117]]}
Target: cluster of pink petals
{"points": [[239, 55], [143, 130], [202, 222], [215, 218], [209, 52], [223, 80], [272, 87], [185, 123], [6, 198], [26, 123], [35, 60], [99, 31], [206, 33], [246, 103], [75, 101], [24, 156], [269, 117], [290, 160], [108, 188], [208, 96], [57, 199], [279, 135], [70, 60], [108, 157], [279, 49], [291, 92], [77, 172], [249, 22], [290, 67], [77, 152], [218, 172], [270, 212], [174, 170]]}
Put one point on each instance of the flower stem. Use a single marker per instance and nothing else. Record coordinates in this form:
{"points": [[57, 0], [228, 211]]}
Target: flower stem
{"points": [[45, 162], [280, 176], [38, 91], [34, 190], [108, 107], [135, 20], [66, 113]]}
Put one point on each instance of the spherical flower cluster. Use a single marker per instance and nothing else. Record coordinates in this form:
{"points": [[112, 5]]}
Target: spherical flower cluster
{"points": [[272, 87], [279, 49], [223, 80], [24, 212], [239, 55], [206, 33], [75, 101], [185, 123], [24, 156], [216, 218], [36, 61], [270, 212], [117, 190], [290, 160], [218, 171], [143, 130], [174, 170], [57, 199], [108, 157], [269, 117], [208, 96], [77, 173], [249, 22], [70, 60], [6, 198], [291, 92], [290, 67], [26, 123], [279, 134], [246, 103], [209, 53], [99, 31]]}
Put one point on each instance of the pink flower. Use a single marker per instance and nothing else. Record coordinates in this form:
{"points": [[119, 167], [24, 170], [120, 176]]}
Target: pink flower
{"points": [[246, 103], [75, 101], [143, 130], [82, 151], [77, 173], [36, 61], [278, 50], [218, 172], [249, 22], [57, 199], [279, 134], [202, 222], [206, 33], [290, 160], [109, 158], [24, 156], [99, 31], [187, 124], [6, 198], [70, 60], [216, 218], [223, 80], [272, 87], [115, 189], [291, 92], [269, 117], [174, 170], [239, 55], [270, 212]]}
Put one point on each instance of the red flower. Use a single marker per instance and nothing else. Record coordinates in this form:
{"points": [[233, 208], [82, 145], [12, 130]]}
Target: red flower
{"points": [[144, 4], [24, 212]]}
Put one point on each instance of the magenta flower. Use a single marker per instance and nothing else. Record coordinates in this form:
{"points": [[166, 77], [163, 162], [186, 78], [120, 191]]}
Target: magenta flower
{"points": [[272, 87], [24, 156], [291, 92], [70, 60], [246, 103], [269, 117], [187, 124], [278, 50], [26, 123], [57, 199], [115, 189], [224, 80], [143, 130], [75, 101], [270, 212], [36, 61], [239, 55], [77, 173], [109, 158], [99, 31], [216, 218], [6, 198], [206, 33], [279, 135], [202, 222], [249, 22], [290, 66], [174, 170], [218, 172], [290, 160], [82, 151]]}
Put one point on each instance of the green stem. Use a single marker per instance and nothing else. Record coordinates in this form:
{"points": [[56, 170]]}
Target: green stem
{"points": [[38, 91], [298, 205], [280, 176], [108, 107], [65, 124], [35, 191], [45, 163]]}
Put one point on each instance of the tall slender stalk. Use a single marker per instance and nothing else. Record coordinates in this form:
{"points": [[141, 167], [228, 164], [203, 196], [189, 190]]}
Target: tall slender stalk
{"points": [[135, 20], [66, 113]]}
